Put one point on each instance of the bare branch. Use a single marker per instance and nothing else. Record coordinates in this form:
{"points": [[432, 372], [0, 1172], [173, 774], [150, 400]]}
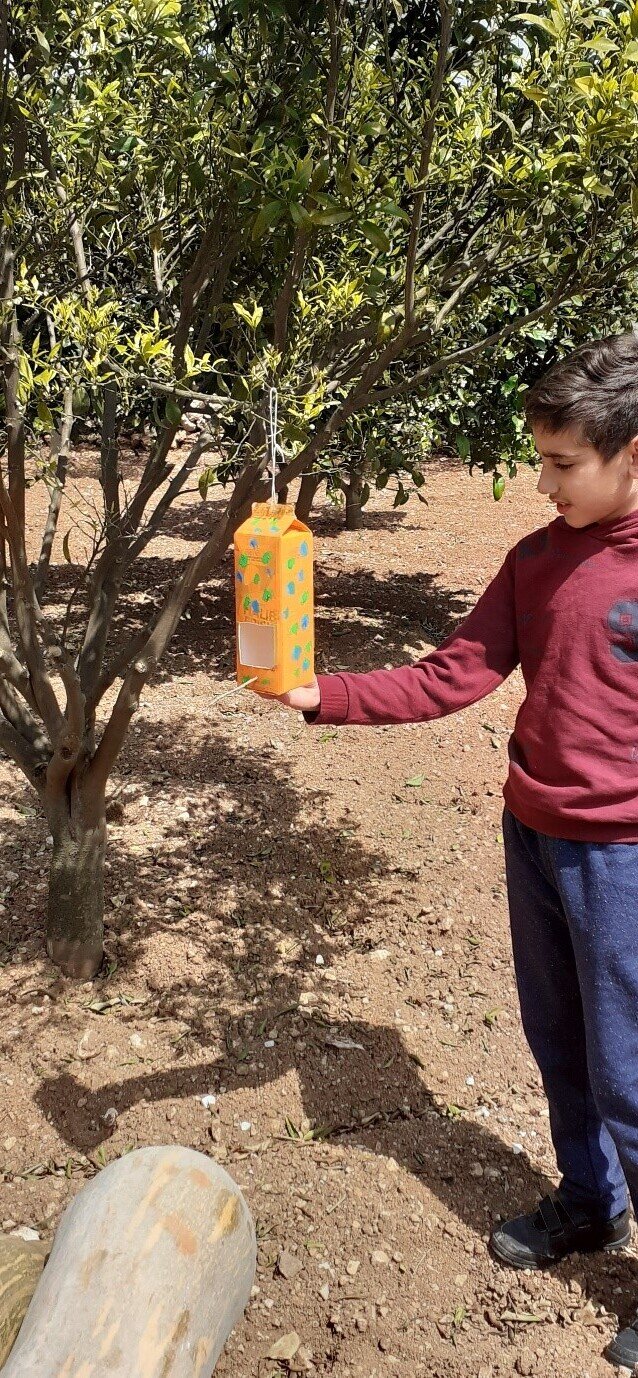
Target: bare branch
{"points": [[108, 452], [60, 444], [447, 12], [27, 617], [459, 356], [75, 227], [284, 300], [25, 756]]}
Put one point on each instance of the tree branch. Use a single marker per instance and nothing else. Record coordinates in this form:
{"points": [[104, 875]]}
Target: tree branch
{"points": [[27, 616], [25, 756], [60, 444], [447, 11]]}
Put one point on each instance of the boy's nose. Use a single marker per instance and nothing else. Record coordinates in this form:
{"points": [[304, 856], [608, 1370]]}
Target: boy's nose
{"points": [[544, 485]]}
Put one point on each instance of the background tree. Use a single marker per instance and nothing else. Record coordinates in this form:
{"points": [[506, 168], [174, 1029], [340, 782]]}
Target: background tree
{"points": [[353, 203]]}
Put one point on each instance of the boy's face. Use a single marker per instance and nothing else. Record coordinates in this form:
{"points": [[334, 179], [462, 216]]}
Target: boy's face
{"points": [[583, 486]]}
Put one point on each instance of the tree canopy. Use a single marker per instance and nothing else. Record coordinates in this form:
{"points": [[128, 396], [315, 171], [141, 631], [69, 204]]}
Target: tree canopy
{"points": [[380, 209]]}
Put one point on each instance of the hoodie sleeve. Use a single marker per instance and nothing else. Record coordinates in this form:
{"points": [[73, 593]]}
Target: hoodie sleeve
{"points": [[473, 661]]}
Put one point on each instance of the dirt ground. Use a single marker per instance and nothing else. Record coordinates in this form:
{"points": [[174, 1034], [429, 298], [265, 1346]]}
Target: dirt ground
{"points": [[310, 927]]}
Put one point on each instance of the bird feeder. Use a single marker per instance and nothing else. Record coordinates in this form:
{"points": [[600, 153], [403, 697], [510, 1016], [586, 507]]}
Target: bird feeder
{"points": [[274, 600]]}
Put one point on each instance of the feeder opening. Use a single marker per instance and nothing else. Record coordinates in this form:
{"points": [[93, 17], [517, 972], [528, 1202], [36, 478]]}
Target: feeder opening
{"points": [[257, 646]]}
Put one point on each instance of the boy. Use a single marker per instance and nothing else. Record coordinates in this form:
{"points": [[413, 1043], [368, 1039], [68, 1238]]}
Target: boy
{"points": [[565, 606]]}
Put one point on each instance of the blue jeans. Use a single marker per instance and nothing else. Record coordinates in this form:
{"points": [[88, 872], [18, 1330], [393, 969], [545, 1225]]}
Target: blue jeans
{"points": [[574, 919]]}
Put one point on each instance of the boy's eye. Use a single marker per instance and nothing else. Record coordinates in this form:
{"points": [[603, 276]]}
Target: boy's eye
{"points": [[563, 466]]}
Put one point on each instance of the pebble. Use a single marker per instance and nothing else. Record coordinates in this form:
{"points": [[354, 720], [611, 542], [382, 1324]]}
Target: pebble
{"points": [[379, 1256], [352, 1267], [207, 1101], [288, 1265], [25, 1232], [245, 1125]]}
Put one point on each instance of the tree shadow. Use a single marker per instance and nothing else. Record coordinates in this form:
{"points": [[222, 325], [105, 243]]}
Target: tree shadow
{"points": [[257, 879]]}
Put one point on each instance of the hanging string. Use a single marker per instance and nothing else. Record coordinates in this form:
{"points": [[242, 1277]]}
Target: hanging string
{"points": [[273, 446]]}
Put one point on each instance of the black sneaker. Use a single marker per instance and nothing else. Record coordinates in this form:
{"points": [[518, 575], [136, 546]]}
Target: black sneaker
{"points": [[554, 1230], [623, 1349]]}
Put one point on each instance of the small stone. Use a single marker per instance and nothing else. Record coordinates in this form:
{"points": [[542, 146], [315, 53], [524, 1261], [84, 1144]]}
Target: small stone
{"points": [[477, 1170], [286, 1347], [25, 1232], [361, 1323], [352, 1267], [207, 1101], [525, 1363], [288, 1265], [324, 1291], [517, 1148], [319, 960], [379, 1256], [245, 1126], [469, 1081]]}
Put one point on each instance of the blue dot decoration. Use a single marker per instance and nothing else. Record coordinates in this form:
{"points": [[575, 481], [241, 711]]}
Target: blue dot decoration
{"points": [[296, 653], [303, 548], [290, 588], [306, 665], [239, 577], [253, 544], [286, 612], [300, 575], [254, 607], [305, 621]]}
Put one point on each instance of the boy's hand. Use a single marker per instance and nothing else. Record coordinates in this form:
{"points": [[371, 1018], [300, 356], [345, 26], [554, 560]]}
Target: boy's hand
{"points": [[305, 699]]}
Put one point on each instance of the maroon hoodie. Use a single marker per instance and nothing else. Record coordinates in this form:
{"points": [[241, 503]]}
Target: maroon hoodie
{"points": [[565, 606]]}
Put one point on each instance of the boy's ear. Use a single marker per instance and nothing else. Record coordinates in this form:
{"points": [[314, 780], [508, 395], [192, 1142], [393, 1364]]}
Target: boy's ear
{"points": [[633, 451]]}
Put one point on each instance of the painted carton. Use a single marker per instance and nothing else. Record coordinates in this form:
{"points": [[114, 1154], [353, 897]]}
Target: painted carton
{"points": [[274, 601]]}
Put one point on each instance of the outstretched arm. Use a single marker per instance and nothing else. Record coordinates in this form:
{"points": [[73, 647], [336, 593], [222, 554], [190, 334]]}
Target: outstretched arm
{"points": [[473, 661]]}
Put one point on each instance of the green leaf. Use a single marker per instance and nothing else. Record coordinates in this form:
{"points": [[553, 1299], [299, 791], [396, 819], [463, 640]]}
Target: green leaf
{"points": [[498, 487], [331, 217], [252, 318], [65, 548], [415, 781], [267, 217], [547, 25], [463, 446], [299, 214], [172, 412], [196, 176], [43, 43], [375, 235], [45, 415]]}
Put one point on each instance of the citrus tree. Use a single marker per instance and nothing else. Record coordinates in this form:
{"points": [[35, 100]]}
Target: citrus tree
{"points": [[353, 204]]}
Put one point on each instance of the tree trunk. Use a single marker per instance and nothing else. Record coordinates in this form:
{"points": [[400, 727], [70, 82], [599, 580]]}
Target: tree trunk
{"points": [[308, 489], [75, 920], [354, 510], [151, 1267]]}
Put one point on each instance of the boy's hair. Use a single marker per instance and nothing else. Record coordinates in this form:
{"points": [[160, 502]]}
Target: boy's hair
{"points": [[595, 391]]}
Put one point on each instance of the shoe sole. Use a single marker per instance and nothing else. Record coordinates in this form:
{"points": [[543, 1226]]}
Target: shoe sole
{"points": [[538, 1264]]}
